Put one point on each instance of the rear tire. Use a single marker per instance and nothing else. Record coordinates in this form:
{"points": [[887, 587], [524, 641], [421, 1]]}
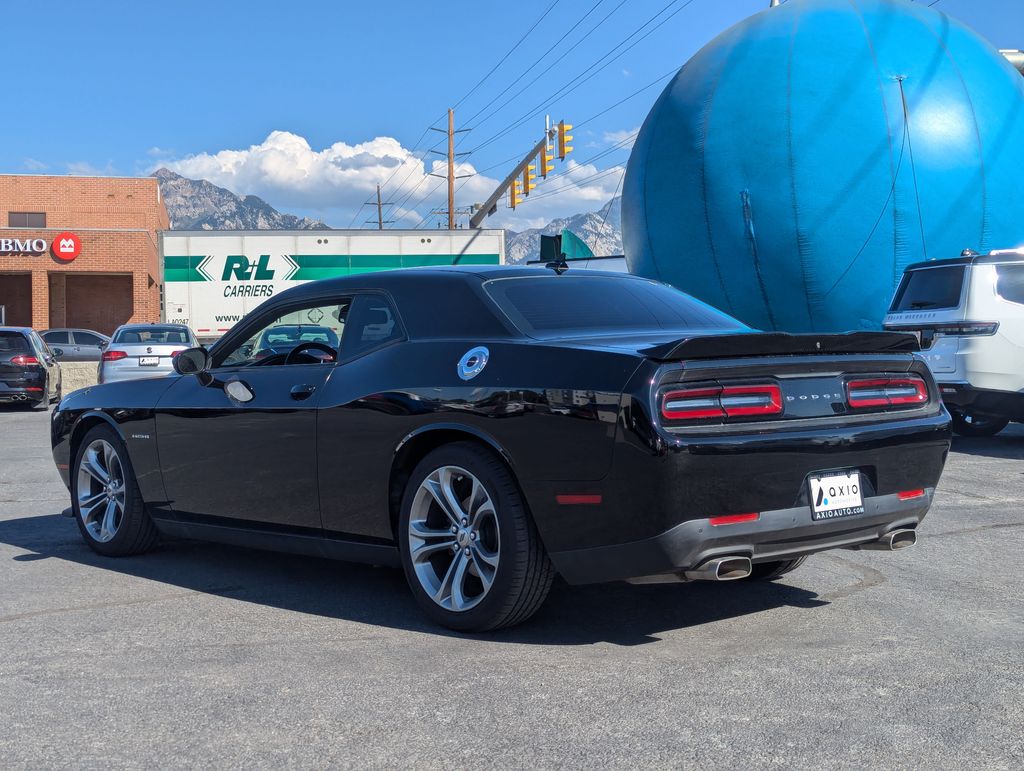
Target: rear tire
{"points": [[966, 424], [110, 512], [769, 571], [492, 572]]}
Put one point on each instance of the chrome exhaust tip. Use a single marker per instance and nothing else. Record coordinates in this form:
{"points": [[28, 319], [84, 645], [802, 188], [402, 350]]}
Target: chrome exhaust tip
{"points": [[902, 538], [721, 569]]}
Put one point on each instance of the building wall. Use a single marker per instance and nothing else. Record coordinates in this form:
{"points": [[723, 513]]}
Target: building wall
{"points": [[85, 202], [116, 219]]}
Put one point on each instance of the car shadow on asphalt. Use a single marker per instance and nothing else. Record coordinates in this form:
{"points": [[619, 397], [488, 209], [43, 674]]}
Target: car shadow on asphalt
{"points": [[1007, 444], [616, 613]]}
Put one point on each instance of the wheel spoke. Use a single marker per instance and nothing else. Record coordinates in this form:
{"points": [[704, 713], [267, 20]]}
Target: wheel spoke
{"points": [[484, 570], [444, 591], [459, 599], [486, 510], [488, 558], [436, 489], [426, 550], [107, 525], [91, 465], [86, 505]]}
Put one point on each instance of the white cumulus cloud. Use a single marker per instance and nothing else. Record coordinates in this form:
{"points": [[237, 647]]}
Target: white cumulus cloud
{"points": [[334, 183]]}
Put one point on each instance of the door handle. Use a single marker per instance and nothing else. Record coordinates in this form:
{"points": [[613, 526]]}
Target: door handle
{"points": [[302, 391]]}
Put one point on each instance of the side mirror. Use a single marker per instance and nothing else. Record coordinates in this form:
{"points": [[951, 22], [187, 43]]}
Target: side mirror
{"points": [[191, 361], [103, 344], [57, 352]]}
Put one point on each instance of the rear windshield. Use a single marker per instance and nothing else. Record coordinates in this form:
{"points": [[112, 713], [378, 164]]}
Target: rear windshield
{"points": [[563, 306], [929, 288], [151, 335], [13, 342]]}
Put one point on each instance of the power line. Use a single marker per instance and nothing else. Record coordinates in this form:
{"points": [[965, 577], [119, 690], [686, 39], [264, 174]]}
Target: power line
{"points": [[591, 71], [542, 73], [505, 57]]}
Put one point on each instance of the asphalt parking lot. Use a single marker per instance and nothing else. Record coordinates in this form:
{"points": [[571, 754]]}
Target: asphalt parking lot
{"points": [[200, 654]]}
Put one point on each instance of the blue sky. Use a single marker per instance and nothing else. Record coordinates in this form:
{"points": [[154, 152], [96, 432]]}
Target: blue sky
{"points": [[310, 104]]}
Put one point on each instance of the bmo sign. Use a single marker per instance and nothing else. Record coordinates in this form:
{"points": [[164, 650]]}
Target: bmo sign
{"points": [[65, 246]]}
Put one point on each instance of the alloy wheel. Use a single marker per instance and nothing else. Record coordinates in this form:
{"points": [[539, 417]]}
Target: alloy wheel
{"points": [[453, 538], [101, 490]]}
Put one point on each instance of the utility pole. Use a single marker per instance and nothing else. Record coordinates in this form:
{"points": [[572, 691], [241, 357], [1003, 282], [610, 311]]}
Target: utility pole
{"points": [[381, 222], [451, 165]]}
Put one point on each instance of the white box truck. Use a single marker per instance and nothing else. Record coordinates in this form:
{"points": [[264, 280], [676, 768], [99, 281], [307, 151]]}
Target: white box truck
{"points": [[213, 278]]}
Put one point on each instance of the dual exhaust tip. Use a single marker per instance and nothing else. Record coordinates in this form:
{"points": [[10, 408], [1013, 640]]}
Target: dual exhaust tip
{"points": [[19, 398], [734, 568]]}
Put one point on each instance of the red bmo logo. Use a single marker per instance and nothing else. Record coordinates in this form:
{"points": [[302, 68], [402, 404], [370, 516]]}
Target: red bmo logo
{"points": [[66, 246]]}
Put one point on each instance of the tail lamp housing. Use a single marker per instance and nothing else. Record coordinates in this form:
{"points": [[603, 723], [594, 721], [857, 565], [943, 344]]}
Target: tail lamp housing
{"points": [[721, 402], [22, 360], [886, 392], [114, 355]]}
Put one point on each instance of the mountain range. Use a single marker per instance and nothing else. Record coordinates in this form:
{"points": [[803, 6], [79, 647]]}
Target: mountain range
{"points": [[196, 204]]}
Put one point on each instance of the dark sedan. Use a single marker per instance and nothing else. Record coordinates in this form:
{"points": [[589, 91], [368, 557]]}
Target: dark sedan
{"points": [[489, 428], [29, 370]]}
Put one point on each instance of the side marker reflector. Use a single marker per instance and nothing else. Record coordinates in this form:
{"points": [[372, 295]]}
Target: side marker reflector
{"points": [[907, 495], [578, 500], [732, 519]]}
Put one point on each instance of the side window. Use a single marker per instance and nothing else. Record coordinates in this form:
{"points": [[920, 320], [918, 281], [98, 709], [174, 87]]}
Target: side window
{"points": [[271, 342], [87, 338], [371, 324], [56, 338], [1010, 282], [37, 342]]}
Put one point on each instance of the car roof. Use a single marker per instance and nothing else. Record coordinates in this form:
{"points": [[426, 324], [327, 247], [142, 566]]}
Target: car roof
{"points": [[386, 279], [969, 257], [22, 330], [153, 324]]}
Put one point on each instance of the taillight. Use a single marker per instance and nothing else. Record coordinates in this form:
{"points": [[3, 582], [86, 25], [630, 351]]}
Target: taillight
{"points": [[175, 353], [968, 328], [721, 402], [23, 361], [114, 355], [886, 392]]}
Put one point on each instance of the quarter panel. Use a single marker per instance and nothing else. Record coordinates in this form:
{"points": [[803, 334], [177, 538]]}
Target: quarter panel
{"points": [[551, 409]]}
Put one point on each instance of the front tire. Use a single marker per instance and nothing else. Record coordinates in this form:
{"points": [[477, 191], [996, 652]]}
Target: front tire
{"points": [[470, 551], [966, 424], [105, 497]]}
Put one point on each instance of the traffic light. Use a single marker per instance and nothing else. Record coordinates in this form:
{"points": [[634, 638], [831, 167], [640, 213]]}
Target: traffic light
{"points": [[528, 177], [547, 160], [564, 148], [513, 194]]}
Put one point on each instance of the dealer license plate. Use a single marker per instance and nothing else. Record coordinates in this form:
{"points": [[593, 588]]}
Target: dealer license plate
{"points": [[149, 361], [836, 495]]}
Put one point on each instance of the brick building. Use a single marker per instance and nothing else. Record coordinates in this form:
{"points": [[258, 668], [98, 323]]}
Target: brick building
{"points": [[80, 251]]}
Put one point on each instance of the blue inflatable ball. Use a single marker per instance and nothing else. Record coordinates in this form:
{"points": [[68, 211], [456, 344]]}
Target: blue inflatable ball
{"points": [[798, 162]]}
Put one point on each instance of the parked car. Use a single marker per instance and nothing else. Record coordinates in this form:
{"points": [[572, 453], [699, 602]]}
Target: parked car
{"points": [[77, 344], [29, 370], [143, 351], [515, 423], [968, 312]]}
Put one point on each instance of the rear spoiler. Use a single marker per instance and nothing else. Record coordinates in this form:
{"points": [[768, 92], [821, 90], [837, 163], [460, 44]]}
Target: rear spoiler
{"points": [[782, 344]]}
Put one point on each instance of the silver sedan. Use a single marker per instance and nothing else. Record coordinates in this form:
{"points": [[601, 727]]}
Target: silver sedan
{"points": [[143, 350]]}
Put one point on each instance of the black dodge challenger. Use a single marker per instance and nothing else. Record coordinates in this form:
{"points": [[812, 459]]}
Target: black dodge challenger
{"points": [[488, 427]]}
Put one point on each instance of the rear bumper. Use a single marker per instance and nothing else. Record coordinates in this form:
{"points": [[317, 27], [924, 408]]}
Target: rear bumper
{"points": [[120, 375], [782, 534], [964, 396], [32, 389]]}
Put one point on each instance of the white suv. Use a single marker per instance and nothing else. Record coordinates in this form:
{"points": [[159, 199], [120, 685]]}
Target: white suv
{"points": [[969, 315]]}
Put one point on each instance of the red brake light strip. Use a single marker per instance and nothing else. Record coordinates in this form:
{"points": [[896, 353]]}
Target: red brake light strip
{"points": [[886, 392], [722, 402]]}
